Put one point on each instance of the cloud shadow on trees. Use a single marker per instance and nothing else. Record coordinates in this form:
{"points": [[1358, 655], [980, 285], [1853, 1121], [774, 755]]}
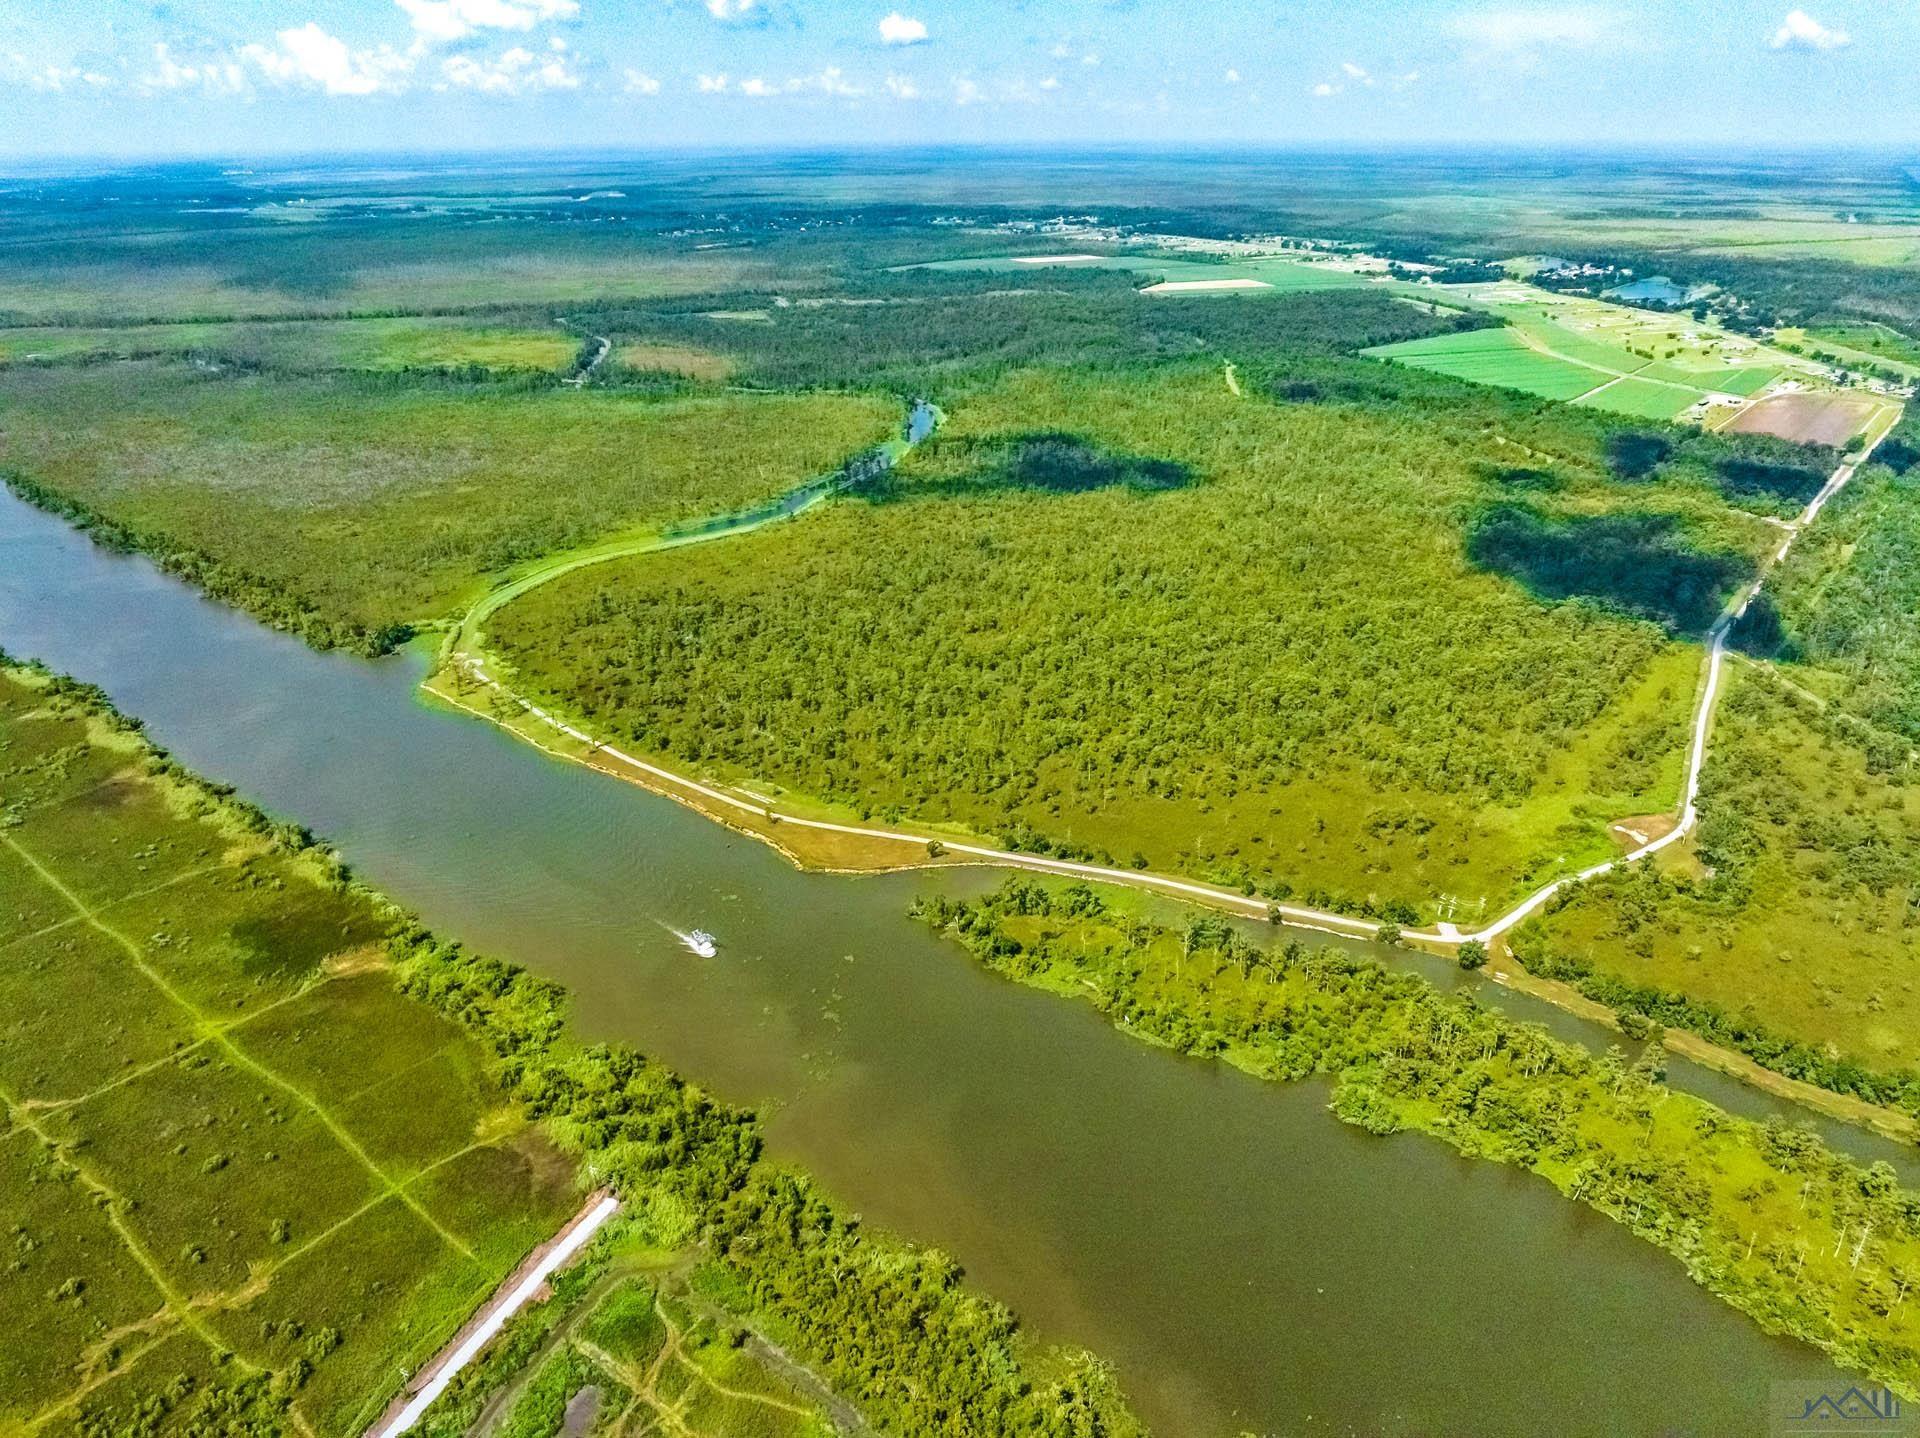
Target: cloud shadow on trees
{"points": [[1640, 564], [1048, 461]]}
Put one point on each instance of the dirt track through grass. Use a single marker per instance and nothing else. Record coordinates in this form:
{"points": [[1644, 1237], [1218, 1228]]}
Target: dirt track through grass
{"points": [[217, 1034]]}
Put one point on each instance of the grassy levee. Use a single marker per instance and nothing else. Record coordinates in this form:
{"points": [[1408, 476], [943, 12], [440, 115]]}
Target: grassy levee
{"points": [[1803, 1241], [1129, 616], [349, 509], [267, 1143]]}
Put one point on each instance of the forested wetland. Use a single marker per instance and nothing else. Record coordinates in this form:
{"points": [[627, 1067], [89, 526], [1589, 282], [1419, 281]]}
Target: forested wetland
{"points": [[1186, 584]]}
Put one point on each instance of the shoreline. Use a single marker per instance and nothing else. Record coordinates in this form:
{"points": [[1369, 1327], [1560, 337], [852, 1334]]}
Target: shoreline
{"points": [[740, 815]]}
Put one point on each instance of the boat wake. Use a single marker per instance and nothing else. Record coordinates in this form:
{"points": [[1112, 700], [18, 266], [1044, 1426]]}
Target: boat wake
{"points": [[697, 941]]}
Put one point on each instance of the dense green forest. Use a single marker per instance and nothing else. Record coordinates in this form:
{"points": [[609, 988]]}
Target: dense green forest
{"points": [[1765, 1216], [1789, 934], [1274, 638], [921, 327]]}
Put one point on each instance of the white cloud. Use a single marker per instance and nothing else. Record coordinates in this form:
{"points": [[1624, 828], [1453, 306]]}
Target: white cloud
{"points": [[901, 88], [1800, 31], [310, 57], [57, 78], [214, 76], [517, 71], [1519, 31], [641, 83], [898, 29], [730, 9], [437, 20], [1232, 77], [830, 81], [1090, 60], [1356, 74], [711, 84], [966, 92], [1052, 82]]}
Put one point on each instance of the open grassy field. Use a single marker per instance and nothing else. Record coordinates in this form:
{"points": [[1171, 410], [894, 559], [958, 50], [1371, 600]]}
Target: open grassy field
{"points": [[374, 505], [241, 1170], [1793, 913], [1863, 345], [346, 264], [1286, 644], [421, 342]]}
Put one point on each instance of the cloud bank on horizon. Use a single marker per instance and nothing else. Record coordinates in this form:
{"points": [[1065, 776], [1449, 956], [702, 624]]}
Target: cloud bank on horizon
{"points": [[192, 76]]}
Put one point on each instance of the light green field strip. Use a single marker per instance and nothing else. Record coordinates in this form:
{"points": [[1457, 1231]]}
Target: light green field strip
{"points": [[219, 1036], [1498, 357], [1645, 399]]}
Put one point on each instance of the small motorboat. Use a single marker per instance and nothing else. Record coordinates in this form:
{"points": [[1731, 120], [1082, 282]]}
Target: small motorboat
{"points": [[702, 943]]}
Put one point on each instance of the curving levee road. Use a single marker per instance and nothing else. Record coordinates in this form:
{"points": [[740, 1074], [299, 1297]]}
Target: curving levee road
{"points": [[465, 651]]}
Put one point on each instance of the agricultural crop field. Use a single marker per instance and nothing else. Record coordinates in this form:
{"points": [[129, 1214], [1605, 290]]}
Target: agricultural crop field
{"points": [[239, 1164], [1496, 357], [1627, 361], [1058, 513], [1813, 417]]}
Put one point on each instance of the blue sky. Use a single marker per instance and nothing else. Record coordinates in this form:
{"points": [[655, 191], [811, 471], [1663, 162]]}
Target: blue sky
{"points": [[247, 76]]}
